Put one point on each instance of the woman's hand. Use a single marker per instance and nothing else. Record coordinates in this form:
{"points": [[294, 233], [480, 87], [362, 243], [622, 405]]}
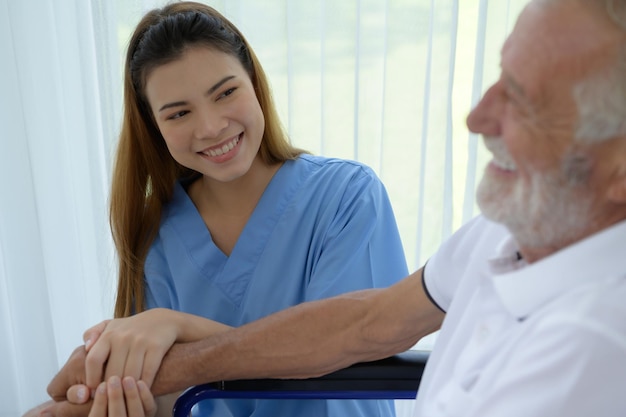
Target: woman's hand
{"points": [[123, 398], [134, 346]]}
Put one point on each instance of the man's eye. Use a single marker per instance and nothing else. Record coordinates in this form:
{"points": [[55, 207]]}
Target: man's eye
{"points": [[508, 95]]}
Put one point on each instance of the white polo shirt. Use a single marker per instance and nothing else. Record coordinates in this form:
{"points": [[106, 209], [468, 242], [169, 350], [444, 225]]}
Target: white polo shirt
{"points": [[545, 339]]}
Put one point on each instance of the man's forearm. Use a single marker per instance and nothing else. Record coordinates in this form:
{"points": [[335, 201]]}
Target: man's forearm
{"points": [[275, 346], [308, 340]]}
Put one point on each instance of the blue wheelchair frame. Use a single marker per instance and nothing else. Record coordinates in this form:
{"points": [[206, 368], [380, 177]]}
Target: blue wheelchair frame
{"points": [[396, 377]]}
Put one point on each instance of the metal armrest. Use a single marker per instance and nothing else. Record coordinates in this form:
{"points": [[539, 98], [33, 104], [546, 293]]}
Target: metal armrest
{"points": [[396, 377]]}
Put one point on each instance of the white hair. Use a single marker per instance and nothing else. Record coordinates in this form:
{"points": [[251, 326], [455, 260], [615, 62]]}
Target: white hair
{"points": [[601, 97]]}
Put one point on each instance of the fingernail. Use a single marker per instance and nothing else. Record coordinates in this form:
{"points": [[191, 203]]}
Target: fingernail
{"points": [[129, 383], [82, 393], [88, 344], [141, 385], [114, 381], [102, 388]]}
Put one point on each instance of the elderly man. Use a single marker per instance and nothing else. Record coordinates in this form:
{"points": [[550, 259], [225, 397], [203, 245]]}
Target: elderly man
{"points": [[534, 291]]}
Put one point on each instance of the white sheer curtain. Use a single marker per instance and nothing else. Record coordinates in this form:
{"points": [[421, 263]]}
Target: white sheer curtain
{"points": [[55, 251], [386, 82]]}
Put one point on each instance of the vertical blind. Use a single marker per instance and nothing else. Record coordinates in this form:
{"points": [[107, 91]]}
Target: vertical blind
{"points": [[385, 82]]}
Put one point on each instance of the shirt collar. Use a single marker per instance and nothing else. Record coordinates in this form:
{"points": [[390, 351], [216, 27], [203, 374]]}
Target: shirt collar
{"points": [[524, 287]]}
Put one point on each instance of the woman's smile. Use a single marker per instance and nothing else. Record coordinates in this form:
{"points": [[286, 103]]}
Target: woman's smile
{"points": [[207, 111], [223, 151]]}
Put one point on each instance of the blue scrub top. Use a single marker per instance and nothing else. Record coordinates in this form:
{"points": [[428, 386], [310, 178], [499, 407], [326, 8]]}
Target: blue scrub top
{"points": [[322, 227]]}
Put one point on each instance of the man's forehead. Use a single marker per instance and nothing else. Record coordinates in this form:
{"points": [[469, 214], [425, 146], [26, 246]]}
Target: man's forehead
{"points": [[559, 34]]}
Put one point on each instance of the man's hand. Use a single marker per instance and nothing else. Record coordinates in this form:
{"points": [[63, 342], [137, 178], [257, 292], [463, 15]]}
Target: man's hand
{"points": [[36, 412], [59, 409], [72, 373]]}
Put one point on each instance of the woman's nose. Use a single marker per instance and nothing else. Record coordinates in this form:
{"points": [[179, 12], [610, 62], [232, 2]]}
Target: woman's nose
{"points": [[486, 117], [209, 124]]}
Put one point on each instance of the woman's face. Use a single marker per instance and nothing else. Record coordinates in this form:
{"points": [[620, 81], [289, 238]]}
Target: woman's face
{"points": [[205, 106]]}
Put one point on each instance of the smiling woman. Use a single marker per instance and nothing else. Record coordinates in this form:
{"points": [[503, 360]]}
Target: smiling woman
{"points": [[212, 210], [203, 115], [386, 83]]}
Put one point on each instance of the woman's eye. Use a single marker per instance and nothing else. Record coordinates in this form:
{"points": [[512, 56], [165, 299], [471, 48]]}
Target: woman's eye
{"points": [[227, 92], [177, 115]]}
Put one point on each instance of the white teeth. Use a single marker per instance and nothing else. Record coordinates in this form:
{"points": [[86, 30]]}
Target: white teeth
{"points": [[501, 157], [224, 149], [506, 165]]}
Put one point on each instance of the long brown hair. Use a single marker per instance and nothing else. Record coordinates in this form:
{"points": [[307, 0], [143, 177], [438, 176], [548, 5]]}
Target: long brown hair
{"points": [[145, 173]]}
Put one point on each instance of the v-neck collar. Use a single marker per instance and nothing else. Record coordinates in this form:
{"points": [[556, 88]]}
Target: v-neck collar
{"points": [[232, 273]]}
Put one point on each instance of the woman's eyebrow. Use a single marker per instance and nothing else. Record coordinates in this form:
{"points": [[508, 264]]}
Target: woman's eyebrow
{"points": [[219, 84], [209, 92]]}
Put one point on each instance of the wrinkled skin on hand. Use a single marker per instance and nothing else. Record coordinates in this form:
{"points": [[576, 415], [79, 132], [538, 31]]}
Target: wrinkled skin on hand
{"points": [[72, 373], [60, 409]]}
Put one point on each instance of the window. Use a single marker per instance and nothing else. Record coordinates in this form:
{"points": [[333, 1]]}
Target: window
{"points": [[387, 82]]}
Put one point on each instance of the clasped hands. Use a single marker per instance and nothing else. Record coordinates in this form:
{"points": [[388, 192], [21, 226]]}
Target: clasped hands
{"points": [[112, 373]]}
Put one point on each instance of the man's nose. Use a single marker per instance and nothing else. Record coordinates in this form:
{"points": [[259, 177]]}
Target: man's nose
{"points": [[486, 117]]}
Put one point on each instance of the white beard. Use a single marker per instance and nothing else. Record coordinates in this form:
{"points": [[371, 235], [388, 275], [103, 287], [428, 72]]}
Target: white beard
{"points": [[544, 212]]}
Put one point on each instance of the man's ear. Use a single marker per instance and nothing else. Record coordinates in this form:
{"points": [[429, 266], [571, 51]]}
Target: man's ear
{"points": [[617, 191]]}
